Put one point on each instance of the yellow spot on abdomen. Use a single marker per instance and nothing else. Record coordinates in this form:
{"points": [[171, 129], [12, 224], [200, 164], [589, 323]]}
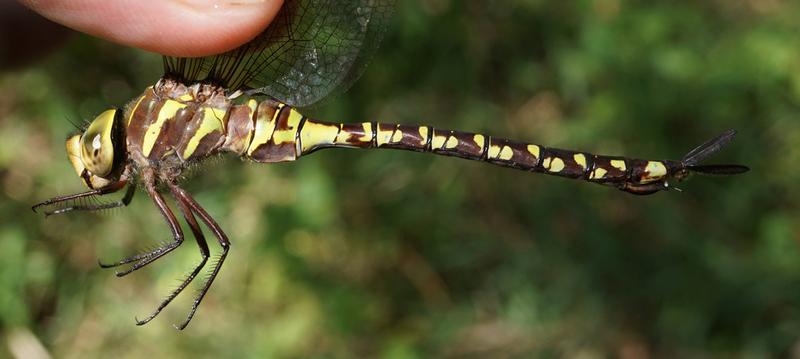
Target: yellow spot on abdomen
{"points": [[554, 164], [506, 153], [534, 150], [598, 173], [655, 168], [618, 164], [289, 134], [580, 159], [168, 110], [452, 142], [398, 135], [479, 140], [438, 141], [494, 151], [384, 136], [654, 171], [316, 134], [367, 127], [423, 133]]}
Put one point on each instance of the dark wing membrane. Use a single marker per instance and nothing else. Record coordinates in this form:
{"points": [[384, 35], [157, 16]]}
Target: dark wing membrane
{"points": [[708, 148], [312, 48], [719, 170]]}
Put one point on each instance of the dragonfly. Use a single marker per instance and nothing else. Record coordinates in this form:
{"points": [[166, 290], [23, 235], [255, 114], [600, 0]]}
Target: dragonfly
{"points": [[245, 103]]}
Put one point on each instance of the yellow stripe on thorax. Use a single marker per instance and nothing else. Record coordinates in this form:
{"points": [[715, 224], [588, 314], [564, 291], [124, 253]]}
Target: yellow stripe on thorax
{"points": [[253, 105], [168, 110], [213, 120], [136, 106]]}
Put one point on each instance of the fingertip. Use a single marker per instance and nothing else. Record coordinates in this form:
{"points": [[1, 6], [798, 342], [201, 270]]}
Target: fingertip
{"points": [[203, 27], [187, 28]]}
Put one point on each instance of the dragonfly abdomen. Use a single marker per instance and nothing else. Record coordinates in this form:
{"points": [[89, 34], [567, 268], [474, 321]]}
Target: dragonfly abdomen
{"points": [[282, 134]]}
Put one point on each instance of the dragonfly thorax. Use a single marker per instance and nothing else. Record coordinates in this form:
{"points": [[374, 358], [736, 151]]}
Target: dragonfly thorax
{"points": [[198, 92]]}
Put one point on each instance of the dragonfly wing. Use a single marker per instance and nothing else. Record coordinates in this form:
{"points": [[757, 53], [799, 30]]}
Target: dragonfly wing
{"points": [[311, 49], [708, 148]]}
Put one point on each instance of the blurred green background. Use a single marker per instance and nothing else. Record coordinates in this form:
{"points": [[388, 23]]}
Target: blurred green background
{"points": [[394, 254]]}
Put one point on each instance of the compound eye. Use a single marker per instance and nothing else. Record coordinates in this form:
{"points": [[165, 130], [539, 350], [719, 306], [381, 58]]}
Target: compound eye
{"points": [[97, 146]]}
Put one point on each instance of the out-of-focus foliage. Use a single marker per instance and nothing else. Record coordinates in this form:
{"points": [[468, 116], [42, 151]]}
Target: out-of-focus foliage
{"points": [[401, 255]]}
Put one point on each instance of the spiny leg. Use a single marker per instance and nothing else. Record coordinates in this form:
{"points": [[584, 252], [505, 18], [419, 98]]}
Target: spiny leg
{"points": [[125, 201], [114, 187], [201, 243], [181, 195], [143, 259]]}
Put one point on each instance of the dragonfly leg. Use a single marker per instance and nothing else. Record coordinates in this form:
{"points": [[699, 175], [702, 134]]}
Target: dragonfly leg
{"points": [[204, 253], [126, 200], [114, 187], [143, 259], [222, 238]]}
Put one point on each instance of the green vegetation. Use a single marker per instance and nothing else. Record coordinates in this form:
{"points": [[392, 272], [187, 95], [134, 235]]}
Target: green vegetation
{"points": [[401, 255]]}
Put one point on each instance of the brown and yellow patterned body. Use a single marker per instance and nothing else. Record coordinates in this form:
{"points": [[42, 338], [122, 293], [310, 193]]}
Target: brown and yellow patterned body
{"points": [[202, 107], [171, 125]]}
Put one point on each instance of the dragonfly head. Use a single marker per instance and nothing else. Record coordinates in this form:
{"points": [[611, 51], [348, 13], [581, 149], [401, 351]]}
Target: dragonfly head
{"points": [[97, 154]]}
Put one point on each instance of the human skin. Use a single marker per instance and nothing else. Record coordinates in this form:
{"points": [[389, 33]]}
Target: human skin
{"points": [[185, 28]]}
